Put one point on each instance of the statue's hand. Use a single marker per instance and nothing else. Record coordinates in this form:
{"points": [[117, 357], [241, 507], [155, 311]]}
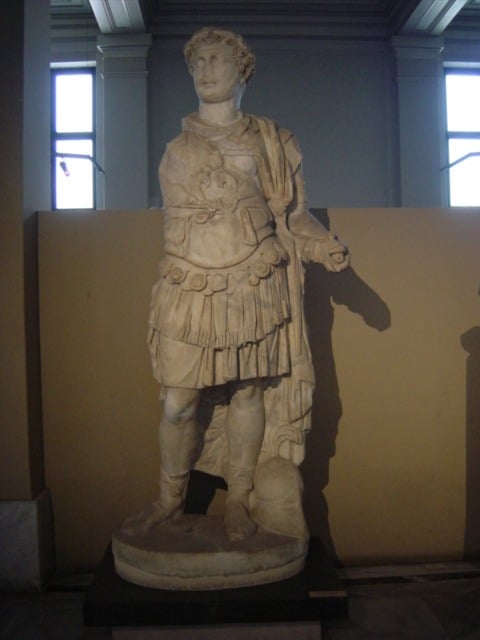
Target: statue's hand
{"points": [[328, 250]]}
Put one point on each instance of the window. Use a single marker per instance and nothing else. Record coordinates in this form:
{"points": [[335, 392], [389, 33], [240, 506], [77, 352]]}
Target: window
{"points": [[73, 139], [463, 136]]}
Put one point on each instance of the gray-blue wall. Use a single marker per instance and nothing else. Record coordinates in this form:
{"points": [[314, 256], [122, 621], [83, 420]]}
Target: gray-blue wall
{"points": [[369, 114]]}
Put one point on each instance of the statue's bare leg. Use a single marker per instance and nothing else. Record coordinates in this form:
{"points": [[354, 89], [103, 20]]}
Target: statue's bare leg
{"points": [[244, 429], [179, 445]]}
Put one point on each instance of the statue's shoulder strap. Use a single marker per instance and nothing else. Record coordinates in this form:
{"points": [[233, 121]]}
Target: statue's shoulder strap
{"points": [[269, 130], [277, 142]]}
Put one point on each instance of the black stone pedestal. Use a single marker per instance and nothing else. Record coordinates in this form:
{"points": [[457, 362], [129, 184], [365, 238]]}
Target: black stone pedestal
{"points": [[313, 595]]}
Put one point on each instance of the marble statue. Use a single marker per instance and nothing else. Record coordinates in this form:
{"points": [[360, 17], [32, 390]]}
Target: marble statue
{"points": [[227, 335]]}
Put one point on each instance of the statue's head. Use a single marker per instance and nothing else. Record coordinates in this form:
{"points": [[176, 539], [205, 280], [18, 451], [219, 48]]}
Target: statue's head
{"points": [[210, 36]]}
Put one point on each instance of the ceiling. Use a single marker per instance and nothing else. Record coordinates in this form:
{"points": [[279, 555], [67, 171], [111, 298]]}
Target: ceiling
{"points": [[280, 18]]}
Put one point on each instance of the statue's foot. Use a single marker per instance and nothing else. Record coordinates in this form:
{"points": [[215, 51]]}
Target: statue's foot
{"points": [[238, 524], [148, 518]]}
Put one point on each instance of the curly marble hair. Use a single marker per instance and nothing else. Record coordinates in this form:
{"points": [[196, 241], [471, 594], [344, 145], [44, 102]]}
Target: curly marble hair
{"points": [[243, 55]]}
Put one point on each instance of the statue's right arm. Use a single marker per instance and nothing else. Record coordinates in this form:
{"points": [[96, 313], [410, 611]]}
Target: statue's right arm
{"points": [[314, 242]]}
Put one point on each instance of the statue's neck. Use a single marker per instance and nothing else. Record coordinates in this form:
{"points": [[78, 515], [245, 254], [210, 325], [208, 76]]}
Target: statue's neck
{"points": [[221, 113]]}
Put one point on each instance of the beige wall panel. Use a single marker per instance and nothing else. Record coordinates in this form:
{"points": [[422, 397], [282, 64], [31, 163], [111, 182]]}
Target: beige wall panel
{"points": [[398, 481], [24, 170], [101, 407], [385, 473]]}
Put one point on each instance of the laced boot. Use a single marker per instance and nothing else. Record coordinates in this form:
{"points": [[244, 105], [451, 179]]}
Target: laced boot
{"points": [[238, 524], [170, 504]]}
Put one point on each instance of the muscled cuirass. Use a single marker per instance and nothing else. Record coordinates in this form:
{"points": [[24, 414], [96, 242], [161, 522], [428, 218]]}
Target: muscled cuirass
{"points": [[223, 277], [216, 213]]}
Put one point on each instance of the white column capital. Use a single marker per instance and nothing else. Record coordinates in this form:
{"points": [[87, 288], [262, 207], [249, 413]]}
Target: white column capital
{"points": [[418, 47], [124, 53]]}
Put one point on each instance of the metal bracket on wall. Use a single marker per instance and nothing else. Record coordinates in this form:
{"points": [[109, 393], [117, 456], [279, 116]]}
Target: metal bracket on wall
{"points": [[81, 156], [465, 157]]}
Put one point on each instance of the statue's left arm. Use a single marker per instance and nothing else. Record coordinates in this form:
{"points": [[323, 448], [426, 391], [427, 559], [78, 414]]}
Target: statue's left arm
{"points": [[313, 241]]}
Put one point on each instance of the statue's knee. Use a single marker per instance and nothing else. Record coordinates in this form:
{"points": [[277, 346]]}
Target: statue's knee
{"points": [[178, 409], [177, 415], [248, 392]]}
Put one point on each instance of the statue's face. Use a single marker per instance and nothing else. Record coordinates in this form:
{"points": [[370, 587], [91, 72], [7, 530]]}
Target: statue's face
{"points": [[215, 73]]}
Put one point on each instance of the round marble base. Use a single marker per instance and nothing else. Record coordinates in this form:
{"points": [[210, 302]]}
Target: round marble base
{"points": [[192, 553]]}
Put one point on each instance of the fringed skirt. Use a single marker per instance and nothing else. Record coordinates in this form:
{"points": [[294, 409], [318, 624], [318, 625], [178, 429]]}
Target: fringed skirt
{"points": [[207, 328]]}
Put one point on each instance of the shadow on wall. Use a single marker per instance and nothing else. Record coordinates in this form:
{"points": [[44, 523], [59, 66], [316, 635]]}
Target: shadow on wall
{"points": [[345, 288], [471, 343]]}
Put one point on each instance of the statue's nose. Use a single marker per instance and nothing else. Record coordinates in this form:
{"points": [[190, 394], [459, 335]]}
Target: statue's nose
{"points": [[208, 74]]}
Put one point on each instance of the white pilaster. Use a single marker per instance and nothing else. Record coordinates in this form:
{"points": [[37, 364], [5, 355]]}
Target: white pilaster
{"points": [[122, 143], [421, 113]]}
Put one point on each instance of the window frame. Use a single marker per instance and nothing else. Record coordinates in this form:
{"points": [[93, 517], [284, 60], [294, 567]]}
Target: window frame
{"points": [[55, 136], [452, 134]]}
